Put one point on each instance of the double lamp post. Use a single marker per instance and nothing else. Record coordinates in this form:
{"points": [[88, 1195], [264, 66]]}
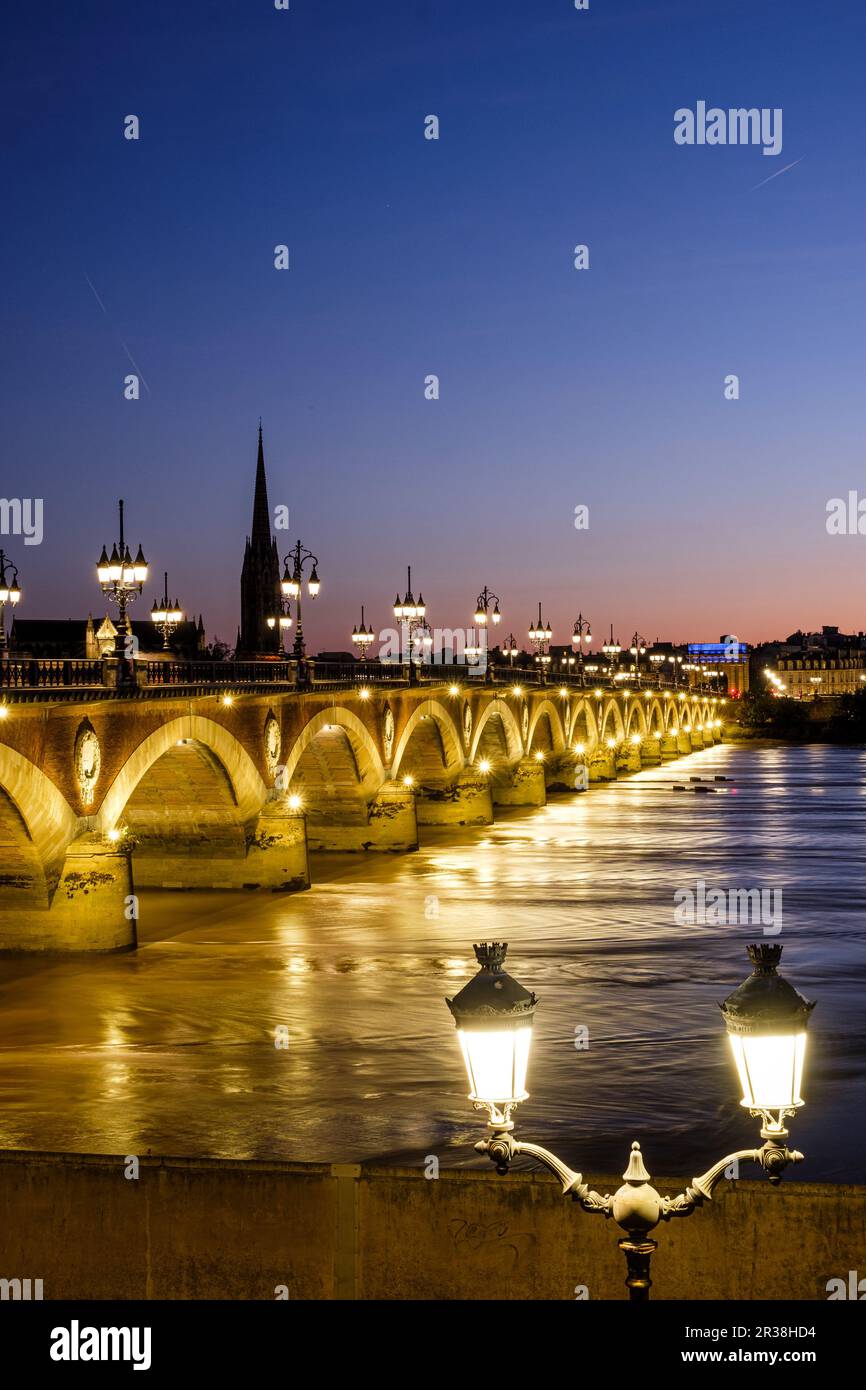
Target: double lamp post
{"points": [[766, 1020]]}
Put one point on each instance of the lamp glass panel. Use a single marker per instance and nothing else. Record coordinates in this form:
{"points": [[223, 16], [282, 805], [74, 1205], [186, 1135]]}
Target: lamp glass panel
{"points": [[496, 1063], [770, 1068]]}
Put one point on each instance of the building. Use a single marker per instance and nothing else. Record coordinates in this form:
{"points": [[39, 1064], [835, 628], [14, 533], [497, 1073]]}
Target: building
{"points": [[808, 665], [52, 639], [728, 658], [260, 577]]}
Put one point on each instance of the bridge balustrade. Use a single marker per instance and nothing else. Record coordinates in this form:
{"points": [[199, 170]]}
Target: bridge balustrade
{"points": [[29, 673]]}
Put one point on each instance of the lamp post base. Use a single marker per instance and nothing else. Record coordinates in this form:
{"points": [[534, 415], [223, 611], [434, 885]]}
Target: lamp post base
{"points": [[638, 1255]]}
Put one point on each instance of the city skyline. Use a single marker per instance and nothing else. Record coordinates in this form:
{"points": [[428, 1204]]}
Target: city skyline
{"points": [[342, 635]]}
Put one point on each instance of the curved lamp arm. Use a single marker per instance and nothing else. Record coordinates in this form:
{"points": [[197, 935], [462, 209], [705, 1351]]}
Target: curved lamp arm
{"points": [[774, 1157], [502, 1148]]}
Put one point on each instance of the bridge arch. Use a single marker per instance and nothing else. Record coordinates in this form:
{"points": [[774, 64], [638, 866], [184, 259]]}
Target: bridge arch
{"points": [[496, 736], [430, 748], [655, 717], [636, 721], [226, 756], [584, 726], [189, 795], [545, 733], [36, 826], [354, 756], [612, 725]]}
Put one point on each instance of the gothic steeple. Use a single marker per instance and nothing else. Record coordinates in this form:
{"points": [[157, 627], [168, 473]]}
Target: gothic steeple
{"points": [[260, 576], [261, 532]]}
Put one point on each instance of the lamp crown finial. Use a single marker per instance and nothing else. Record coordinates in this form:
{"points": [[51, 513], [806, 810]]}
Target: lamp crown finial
{"points": [[765, 957], [636, 1173], [491, 955]]}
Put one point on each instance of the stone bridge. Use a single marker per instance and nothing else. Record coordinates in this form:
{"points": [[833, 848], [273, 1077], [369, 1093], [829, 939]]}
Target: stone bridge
{"points": [[102, 794]]}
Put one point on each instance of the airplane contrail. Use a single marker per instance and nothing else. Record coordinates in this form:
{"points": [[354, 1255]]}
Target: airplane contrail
{"points": [[779, 171], [119, 339]]}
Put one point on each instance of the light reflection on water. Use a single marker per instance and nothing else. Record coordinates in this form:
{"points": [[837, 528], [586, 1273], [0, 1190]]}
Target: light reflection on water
{"points": [[172, 1049]]}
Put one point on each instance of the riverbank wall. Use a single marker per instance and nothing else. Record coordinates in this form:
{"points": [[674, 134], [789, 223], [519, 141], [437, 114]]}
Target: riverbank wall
{"points": [[212, 1229]]}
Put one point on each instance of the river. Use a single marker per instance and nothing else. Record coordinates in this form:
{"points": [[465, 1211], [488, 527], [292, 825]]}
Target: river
{"points": [[172, 1048]]}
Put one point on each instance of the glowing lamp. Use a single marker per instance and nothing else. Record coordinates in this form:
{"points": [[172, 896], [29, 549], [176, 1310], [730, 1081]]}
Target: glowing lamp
{"points": [[766, 1019], [493, 1014], [103, 572], [313, 584]]}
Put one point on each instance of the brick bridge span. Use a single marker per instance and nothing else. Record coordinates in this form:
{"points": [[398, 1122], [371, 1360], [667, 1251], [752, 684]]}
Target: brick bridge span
{"points": [[104, 793]]}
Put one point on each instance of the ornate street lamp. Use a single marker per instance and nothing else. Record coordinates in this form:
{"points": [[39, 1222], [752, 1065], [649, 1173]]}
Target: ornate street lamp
{"points": [[283, 619], [122, 579], [9, 592], [413, 618], [580, 635], [363, 636], [166, 615], [637, 649], [292, 584], [540, 636], [482, 608], [611, 649], [766, 1020], [510, 648], [483, 614]]}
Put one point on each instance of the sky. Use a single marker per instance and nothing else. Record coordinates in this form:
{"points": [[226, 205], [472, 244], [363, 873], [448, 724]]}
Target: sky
{"points": [[559, 388]]}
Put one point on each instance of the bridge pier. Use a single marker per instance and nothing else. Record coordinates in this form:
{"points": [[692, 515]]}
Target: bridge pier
{"points": [[668, 747], [561, 772], [684, 742], [602, 765], [92, 908], [277, 851], [628, 757], [650, 752], [698, 741], [468, 801], [388, 825], [521, 785]]}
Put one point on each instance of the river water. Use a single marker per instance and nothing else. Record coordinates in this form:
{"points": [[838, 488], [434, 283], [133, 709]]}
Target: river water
{"points": [[172, 1049]]}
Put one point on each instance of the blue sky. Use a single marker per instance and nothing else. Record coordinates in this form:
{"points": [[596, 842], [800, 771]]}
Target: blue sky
{"points": [[409, 257]]}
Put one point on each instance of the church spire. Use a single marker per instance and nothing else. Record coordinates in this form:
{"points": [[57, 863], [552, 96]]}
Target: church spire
{"points": [[260, 576], [261, 532]]}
